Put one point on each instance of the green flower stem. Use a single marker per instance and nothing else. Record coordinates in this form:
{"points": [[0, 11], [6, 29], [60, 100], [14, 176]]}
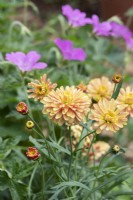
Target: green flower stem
{"points": [[84, 138], [41, 135], [25, 11], [37, 132], [38, 127], [43, 180], [30, 182], [47, 145], [71, 156], [98, 170], [84, 126], [26, 95], [93, 140], [114, 89], [53, 132]]}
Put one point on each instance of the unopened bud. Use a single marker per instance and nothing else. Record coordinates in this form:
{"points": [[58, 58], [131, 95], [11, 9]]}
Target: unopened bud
{"points": [[116, 78], [116, 148], [82, 87], [32, 153], [29, 124], [22, 108]]}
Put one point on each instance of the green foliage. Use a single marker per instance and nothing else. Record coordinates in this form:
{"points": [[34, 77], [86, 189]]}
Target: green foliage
{"points": [[47, 177]]}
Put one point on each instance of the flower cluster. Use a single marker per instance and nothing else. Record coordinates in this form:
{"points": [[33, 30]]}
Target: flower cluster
{"points": [[96, 150], [91, 103], [72, 105], [76, 18]]}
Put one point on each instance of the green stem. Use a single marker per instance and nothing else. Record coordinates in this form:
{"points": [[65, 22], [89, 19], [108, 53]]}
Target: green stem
{"points": [[70, 162], [30, 182], [26, 95], [37, 133], [25, 11], [35, 123], [84, 126], [41, 135], [53, 131], [114, 89], [83, 138], [96, 180], [42, 180], [47, 145]]}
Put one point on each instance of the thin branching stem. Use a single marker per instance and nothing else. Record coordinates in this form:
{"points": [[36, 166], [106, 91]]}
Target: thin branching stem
{"points": [[42, 179], [70, 162]]}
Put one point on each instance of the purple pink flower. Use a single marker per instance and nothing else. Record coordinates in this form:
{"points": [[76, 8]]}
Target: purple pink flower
{"points": [[75, 17], [68, 51], [120, 31], [100, 28], [129, 44], [26, 62]]}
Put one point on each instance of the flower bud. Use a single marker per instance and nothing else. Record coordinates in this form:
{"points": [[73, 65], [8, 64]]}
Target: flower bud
{"points": [[116, 78], [82, 87], [32, 153], [22, 108], [116, 148], [29, 124]]}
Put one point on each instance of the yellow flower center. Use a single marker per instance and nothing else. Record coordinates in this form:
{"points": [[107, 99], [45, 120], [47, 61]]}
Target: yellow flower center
{"points": [[129, 99], [21, 107], [67, 98], [110, 117], [32, 153], [42, 89], [102, 91]]}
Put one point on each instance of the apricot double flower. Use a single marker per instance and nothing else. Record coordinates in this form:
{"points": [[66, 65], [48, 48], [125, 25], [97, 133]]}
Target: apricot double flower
{"points": [[100, 88], [40, 88], [125, 100], [66, 105], [98, 150], [107, 116]]}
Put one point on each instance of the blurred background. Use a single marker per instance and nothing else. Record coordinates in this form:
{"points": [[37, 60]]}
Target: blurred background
{"points": [[103, 8]]}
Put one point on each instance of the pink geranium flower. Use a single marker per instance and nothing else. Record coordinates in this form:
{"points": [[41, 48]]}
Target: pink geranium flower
{"points": [[75, 17], [26, 62], [68, 51]]}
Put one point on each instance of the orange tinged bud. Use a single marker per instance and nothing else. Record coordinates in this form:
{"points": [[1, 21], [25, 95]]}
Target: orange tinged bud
{"points": [[82, 87], [116, 78], [32, 153], [22, 108]]}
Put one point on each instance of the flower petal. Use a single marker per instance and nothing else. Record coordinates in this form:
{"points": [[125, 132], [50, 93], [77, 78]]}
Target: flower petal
{"points": [[39, 65]]}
